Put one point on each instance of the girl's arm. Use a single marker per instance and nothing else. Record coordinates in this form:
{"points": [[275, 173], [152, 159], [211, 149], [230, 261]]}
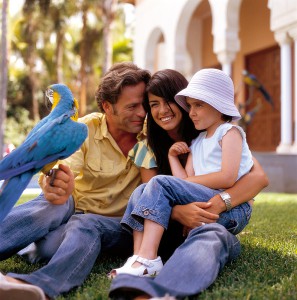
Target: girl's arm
{"points": [[175, 150], [231, 156]]}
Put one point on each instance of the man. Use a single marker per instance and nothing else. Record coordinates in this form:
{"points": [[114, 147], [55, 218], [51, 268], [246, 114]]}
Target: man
{"points": [[87, 196]]}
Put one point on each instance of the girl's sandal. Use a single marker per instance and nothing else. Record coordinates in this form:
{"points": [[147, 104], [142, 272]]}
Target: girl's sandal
{"points": [[148, 268]]}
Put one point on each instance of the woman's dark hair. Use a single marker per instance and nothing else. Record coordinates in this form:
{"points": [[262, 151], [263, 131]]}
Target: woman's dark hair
{"points": [[166, 84]]}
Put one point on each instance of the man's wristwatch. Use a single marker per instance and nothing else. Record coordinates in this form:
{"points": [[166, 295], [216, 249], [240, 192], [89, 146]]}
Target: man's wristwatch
{"points": [[227, 199]]}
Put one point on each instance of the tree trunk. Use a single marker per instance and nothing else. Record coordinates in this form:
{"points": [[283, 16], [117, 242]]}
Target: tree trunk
{"points": [[3, 87], [31, 59], [83, 75], [59, 56], [108, 17]]}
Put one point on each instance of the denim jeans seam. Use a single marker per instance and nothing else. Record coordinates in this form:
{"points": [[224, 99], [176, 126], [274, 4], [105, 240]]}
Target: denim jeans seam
{"points": [[80, 263]]}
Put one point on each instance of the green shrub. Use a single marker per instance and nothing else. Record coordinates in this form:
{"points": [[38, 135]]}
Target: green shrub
{"points": [[18, 126]]}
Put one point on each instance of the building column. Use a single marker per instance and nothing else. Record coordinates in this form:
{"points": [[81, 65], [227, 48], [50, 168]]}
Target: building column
{"points": [[225, 28], [226, 58], [293, 34], [286, 92]]}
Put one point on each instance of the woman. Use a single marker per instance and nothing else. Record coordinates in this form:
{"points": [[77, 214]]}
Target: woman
{"points": [[196, 263], [167, 122]]}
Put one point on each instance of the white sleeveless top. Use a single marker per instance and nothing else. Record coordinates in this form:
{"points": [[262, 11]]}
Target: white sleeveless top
{"points": [[207, 152]]}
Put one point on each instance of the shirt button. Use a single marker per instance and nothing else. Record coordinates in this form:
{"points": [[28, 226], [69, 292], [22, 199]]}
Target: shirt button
{"points": [[146, 212]]}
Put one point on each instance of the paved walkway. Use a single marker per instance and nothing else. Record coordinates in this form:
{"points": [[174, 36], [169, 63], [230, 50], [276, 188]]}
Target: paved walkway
{"points": [[30, 191], [32, 188]]}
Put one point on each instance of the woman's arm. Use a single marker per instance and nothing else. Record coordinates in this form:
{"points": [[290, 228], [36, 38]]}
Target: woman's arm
{"points": [[147, 174], [193, 214], [244, 189]]}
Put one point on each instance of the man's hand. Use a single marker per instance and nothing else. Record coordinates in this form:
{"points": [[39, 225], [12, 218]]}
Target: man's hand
{"points": [[58, 186]]}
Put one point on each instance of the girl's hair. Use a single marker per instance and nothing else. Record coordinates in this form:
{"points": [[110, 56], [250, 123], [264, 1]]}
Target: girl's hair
{"points": [[227, 118], [166, 84], [119, 76]]}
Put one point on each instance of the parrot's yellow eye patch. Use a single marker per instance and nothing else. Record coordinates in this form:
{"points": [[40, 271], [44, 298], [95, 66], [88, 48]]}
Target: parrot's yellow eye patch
{"points": [[75, 107], [56, 99]]}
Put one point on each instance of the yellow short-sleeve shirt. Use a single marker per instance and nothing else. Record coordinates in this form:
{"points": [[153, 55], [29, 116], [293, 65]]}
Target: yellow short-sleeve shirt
{"points": [[104, 177]]}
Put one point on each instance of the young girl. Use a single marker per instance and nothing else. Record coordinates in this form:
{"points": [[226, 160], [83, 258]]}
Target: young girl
{"points": [[222, 158]]}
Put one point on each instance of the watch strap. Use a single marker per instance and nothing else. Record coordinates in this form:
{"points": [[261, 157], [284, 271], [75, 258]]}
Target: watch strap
{"points": [[227, 199]]}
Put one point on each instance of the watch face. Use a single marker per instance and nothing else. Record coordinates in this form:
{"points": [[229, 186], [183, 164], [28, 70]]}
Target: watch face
{"points": [[225, 196]]}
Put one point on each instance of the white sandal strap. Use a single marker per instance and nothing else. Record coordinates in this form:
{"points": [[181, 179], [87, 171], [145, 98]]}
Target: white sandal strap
{"points": [[144, 261]]}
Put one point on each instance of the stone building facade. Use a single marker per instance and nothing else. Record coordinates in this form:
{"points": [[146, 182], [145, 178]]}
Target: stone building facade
{"points": [[234, 35]]}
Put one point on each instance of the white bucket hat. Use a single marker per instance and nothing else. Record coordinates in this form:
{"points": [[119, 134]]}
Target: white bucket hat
{"points": [[214, 87]]}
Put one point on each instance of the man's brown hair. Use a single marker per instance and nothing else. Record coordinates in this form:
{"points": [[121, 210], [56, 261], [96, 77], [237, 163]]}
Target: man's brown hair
{"points": [[119, 75]]}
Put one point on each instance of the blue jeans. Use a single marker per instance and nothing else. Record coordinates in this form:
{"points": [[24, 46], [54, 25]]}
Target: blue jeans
{"points": [[192, 268], [154, 201], [83, 238]]}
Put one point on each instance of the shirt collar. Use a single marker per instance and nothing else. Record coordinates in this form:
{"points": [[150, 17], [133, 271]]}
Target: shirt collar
{"points": [[102, 131]]}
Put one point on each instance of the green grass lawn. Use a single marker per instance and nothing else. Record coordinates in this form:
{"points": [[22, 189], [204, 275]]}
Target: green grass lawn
{"points": [[266, 269]]}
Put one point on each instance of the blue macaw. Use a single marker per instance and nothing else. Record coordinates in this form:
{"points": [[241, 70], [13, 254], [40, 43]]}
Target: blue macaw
{"points": [[251, 80], [55, 137], [249, 116]]}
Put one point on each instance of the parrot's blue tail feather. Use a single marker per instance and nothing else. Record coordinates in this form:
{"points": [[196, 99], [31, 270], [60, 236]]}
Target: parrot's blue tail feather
{"points": [[266, 95], [11, 191], [37, 165]]}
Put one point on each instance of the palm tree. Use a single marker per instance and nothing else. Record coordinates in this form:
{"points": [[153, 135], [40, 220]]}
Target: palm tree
{"points": [[34, 16], [71, 52], [83, 56], [109, 7], [3, 87], [57, 17], [89, 44]]}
